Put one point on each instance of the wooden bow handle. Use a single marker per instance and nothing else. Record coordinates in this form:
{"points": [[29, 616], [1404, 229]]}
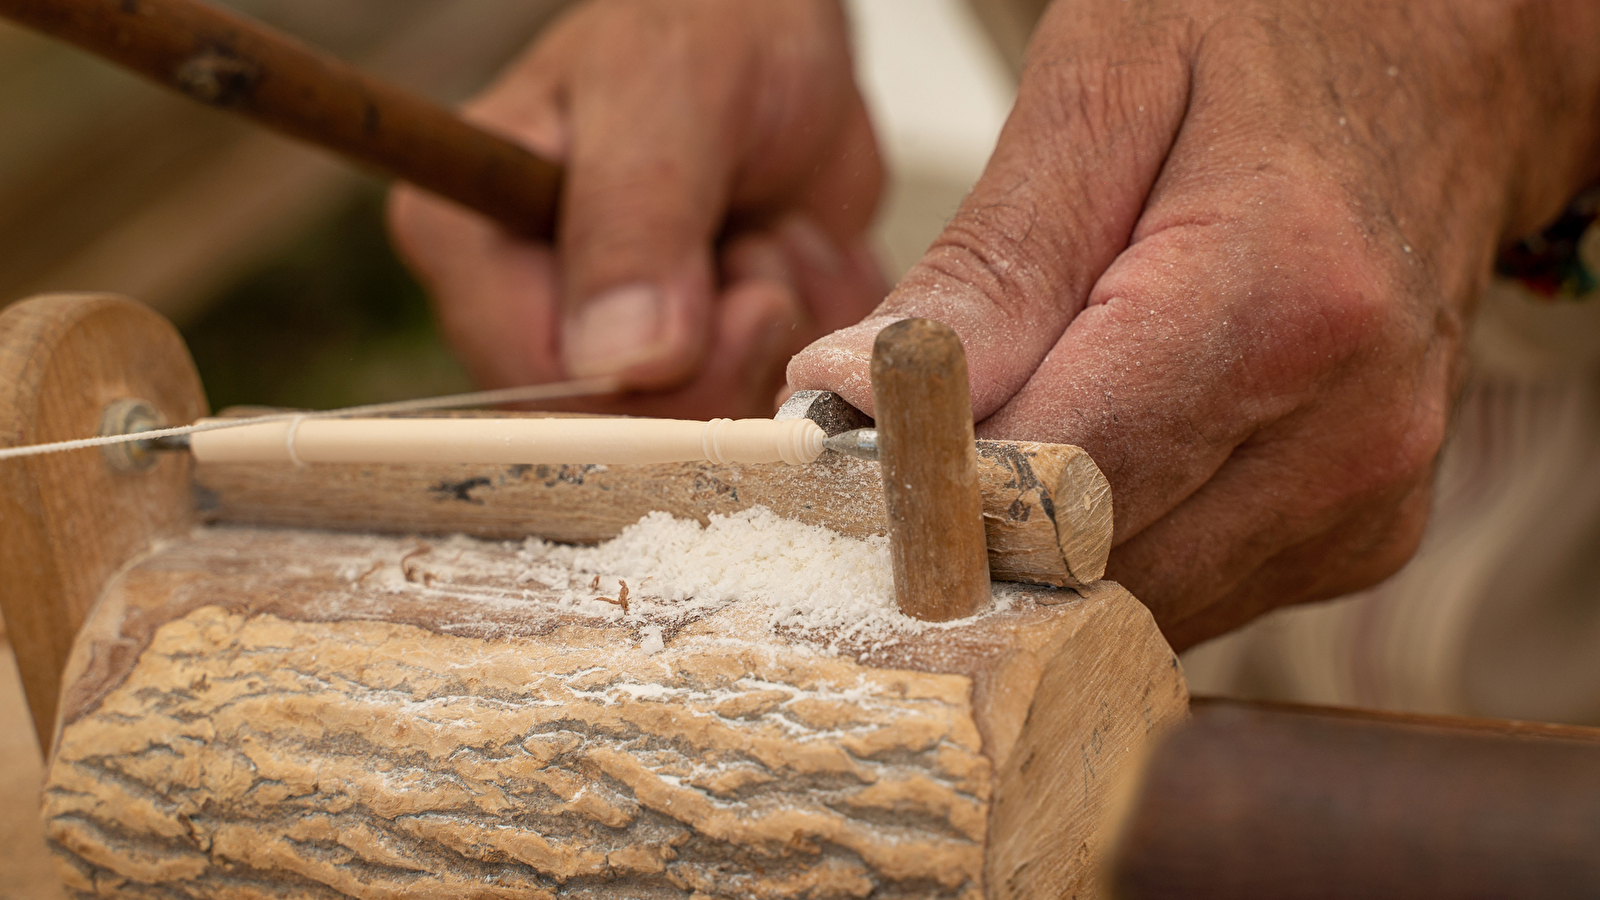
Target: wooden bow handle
{"points": [[233, 63]]}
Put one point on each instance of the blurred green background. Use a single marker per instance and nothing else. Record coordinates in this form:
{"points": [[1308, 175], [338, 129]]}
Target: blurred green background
{"points": [[331, 320]]}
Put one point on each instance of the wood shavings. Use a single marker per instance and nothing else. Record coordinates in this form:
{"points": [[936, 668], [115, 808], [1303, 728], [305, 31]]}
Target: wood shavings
{"points": [[621, 598]]}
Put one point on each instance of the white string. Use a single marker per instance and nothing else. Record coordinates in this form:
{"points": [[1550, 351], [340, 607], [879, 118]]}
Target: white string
{"points": [[582, 387]]}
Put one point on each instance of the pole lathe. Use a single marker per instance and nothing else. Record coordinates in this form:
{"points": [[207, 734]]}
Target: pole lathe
{"points": [[225, 60], [925, 445], [460, 725]]}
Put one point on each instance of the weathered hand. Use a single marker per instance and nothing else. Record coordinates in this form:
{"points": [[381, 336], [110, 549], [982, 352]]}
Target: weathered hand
{"points": [[720, 175], [1231, 248]]}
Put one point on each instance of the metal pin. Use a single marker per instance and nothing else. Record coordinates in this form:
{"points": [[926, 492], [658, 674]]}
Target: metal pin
{"points": [[168, 442], [862, 443]]}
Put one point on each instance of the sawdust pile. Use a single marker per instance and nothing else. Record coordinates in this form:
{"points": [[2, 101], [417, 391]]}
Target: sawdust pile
{"points": [[814, 581]]}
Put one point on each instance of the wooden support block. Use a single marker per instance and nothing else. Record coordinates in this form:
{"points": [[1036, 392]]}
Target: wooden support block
{"points": [[1046, 507], [255, 712], [929, 459], [69, 520]]}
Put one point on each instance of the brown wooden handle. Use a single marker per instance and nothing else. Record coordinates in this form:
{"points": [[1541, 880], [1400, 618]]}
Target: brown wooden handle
{"points": [[1252, 800], [233, 63], [923, 409]]}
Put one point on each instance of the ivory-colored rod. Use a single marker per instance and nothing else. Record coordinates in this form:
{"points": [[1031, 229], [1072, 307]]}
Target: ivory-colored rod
{"points": [[513, 441]]}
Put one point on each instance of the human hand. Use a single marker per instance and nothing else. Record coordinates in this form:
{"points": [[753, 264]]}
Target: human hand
{"points": [[720, 175], [1231, 248]]}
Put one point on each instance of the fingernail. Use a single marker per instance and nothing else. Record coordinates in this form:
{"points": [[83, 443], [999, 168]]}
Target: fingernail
{"points": [[764, 258], [811, 245], [613, 332]]}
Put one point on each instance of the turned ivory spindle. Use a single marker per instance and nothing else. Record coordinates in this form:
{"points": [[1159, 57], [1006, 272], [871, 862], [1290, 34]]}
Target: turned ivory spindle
{"points": [[513, 441], [930, 471]]}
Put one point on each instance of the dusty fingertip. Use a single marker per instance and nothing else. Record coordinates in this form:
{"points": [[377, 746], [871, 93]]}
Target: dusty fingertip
{"points": [[840, 362], [848, 345]]}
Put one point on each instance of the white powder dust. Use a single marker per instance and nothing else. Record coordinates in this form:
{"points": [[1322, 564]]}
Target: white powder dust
{"points": [[816, 582], [650, 639]]}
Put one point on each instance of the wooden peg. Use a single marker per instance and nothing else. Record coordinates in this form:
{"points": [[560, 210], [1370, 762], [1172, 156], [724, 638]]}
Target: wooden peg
{"points": [[930, 471]]}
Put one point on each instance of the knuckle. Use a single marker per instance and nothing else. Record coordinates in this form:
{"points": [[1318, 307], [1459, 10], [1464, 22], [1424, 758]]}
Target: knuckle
{"points": [[994, 250], [1380, 548], [1365, 366], [637, 214]]}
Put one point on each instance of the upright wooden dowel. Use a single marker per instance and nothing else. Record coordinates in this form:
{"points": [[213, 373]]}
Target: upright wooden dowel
{"points": [[930, 471], [231, 62]]}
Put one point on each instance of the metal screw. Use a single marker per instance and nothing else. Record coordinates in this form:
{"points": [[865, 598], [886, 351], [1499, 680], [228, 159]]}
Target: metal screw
{"points": [[130, 416]]}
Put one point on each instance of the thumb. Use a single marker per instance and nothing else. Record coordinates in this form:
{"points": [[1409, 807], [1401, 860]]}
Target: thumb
{"points": [[1056, 203], [646, 188]]}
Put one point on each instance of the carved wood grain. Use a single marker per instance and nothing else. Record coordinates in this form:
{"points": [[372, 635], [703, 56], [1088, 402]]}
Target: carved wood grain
{"points": [[352, 715]]}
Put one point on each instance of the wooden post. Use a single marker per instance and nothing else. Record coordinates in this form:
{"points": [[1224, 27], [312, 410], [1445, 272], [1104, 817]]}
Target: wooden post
{"points": [[230, 62], [930, 470]]}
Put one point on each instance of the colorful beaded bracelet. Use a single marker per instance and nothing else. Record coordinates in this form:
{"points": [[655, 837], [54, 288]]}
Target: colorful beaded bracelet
{"points": [[1563, 261]]}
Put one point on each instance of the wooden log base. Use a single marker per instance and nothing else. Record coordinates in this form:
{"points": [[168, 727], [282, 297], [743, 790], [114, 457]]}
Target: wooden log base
{"points": [[272, 713]]}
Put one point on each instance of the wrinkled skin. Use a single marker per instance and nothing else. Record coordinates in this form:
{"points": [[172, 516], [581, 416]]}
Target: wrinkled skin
{"points": [[1228, 246]]}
